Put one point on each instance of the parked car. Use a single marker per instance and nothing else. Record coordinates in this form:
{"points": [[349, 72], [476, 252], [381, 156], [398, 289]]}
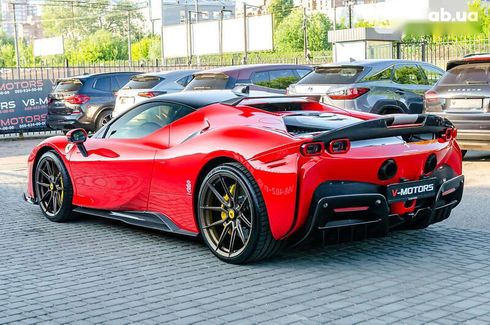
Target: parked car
{"points": [[463, 96], [84, 101], [270, 172], [266, 77], [148, 85], [374, 86]]}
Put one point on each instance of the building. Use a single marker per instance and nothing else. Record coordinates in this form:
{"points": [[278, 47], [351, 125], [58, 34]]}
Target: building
{"points": [[27, 16]]}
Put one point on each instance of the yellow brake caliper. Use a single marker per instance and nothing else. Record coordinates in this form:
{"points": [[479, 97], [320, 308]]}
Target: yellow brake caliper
{"points": [[224, 215], [62, 190]]}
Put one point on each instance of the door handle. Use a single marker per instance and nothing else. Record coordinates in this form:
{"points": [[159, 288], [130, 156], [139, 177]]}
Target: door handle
{"points": [[399, 91]]}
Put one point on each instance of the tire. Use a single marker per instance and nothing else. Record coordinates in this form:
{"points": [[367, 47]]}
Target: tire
{"points": [[53, 188], [232, 216], [103, 118]]}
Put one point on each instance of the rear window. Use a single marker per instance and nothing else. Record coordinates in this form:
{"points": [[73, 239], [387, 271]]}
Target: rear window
{"points": [[332, 75], [143, 82], [208, 81], [68, 85], [478, 73]]}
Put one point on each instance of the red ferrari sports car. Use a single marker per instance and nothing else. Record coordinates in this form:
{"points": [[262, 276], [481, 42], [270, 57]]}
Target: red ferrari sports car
{"points": [[250, 174]]}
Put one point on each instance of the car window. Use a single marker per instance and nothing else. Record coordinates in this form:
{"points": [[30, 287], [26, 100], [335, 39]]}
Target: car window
{"points": [[409, 74], [278, 79], [207, 81], [146, 119], [332, 75], [184, 81], [302, 72], [103, 84], [466, 74], [260, 77], [432, 74], [123, 79], [68, 85], [380, 76], [142, 82]]}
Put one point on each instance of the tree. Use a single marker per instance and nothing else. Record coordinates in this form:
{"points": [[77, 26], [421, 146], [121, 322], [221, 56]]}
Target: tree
{"points": [[101, 46], [483, 16], [76, 20], [288, 36], [279, 9], [147, 48]]}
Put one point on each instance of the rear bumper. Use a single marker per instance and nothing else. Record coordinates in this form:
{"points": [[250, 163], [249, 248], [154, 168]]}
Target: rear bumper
{"points": [[474, 139], [63, 122], [372, 209]]}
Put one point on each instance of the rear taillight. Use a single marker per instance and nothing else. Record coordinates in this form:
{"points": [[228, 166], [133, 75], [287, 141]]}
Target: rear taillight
{"points": [[351, 93], [339, 146], [77, 99], [450, 133], [150, 94], [312, 149]]}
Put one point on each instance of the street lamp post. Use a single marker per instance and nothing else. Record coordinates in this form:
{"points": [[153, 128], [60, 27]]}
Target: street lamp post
{"points": [[350, 4], [245, 32]]}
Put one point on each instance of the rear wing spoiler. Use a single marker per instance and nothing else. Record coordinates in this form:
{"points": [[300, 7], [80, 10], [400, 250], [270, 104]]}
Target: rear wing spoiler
{"points": [[388, 126]]}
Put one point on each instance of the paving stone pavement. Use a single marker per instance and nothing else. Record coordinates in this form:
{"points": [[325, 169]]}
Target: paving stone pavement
{"points": [[98, 271]]}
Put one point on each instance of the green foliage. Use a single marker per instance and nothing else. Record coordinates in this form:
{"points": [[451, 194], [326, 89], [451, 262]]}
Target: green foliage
{"points": [[483, 16], [278, 83], [288, 36], [147, 48], [79, 20], [101, 46], [280, 9], [374, 23]]}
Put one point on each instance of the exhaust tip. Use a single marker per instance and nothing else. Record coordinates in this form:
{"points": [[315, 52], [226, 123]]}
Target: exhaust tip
{"points": [[430, 164], [387, 170]]}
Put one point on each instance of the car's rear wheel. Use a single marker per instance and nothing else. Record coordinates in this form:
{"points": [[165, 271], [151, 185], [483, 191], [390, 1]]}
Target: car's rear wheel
{"points": [[103, 119], [53, 188], [232, 216]]}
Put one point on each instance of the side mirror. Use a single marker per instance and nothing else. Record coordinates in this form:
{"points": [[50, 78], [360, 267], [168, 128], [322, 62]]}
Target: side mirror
{"points": [[78, 137]]}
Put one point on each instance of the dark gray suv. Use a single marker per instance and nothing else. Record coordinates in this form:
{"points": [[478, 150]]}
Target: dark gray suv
{"points": [[375, 86], [84, 101], [463, 96]]}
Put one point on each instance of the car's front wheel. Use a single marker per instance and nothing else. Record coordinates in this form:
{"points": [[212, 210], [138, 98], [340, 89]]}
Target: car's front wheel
{"points": [[232, 216], [53, 188]]}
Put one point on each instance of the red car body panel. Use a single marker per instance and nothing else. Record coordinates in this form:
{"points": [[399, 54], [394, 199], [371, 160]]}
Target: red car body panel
{"points": [[160, 172]]}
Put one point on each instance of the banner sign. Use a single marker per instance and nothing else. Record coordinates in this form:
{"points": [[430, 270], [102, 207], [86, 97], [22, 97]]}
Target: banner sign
{"points": [[24, 104]]}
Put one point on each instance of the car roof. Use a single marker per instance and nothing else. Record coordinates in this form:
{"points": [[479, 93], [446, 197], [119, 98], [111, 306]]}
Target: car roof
{"points": [[253, 67], [373, 63], [169, 73], [91, 75], [199, 98]]}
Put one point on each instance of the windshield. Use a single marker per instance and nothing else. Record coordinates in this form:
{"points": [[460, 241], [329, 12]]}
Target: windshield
{"points": [[68, 85], [208, 81], [332, 75], [478, 73], [143, 82]]}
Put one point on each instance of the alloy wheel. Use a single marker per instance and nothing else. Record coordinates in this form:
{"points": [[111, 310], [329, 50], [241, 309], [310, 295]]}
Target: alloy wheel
{"points": [[49, 186], [226, 214]]}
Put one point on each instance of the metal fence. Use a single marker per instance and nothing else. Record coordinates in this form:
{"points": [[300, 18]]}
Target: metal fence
{"points": [[440, 53]]}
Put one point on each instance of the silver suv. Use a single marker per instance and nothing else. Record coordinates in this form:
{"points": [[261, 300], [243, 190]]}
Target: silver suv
{"points": [[463, 96], [375, 86]]}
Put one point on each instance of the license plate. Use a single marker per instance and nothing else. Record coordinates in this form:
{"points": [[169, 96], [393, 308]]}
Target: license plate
{"points": [[466, 103], [407, 191], [127, 100]]}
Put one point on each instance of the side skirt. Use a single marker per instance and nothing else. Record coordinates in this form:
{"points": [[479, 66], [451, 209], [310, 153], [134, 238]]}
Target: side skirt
{"points": [[151, 220]]}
